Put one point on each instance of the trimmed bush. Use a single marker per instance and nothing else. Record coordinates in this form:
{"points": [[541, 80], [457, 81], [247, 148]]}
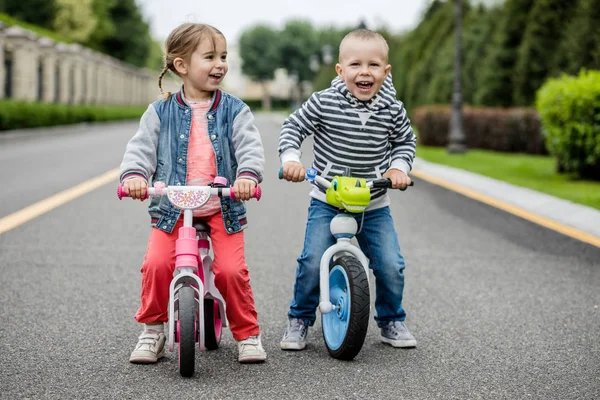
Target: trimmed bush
{"points": [[19, 115], [501, 129], [569, 108], [276, 104]]}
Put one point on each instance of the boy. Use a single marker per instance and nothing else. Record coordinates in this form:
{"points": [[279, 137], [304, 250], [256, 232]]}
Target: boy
{"points": [[358, 125]]}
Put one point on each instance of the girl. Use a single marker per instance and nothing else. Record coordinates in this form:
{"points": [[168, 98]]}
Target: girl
{"points": [[189, 138]]}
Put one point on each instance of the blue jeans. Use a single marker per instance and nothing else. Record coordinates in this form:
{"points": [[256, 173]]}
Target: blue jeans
{"points": [[377, 239]]}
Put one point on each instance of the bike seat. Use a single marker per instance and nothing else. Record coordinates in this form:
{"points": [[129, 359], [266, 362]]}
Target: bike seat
{"points": [[202, 226]]}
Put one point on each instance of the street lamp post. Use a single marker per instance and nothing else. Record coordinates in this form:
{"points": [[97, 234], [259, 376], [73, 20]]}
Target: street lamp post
{"points": [[456, 139]]}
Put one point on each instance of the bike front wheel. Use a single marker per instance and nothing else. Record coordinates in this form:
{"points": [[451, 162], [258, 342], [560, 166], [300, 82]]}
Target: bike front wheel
{"points": [[187, 331], [345, 327]]}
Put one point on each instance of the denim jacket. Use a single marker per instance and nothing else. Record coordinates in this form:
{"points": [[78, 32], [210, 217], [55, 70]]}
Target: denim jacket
{"points": [[158, 152]]}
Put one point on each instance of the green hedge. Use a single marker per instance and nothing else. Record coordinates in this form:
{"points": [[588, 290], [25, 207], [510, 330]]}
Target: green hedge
{"points": [[19, 115], [514, 130], [276, 104], [569, 108]]}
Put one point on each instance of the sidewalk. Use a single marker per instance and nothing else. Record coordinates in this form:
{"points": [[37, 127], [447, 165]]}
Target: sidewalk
{"points": [[582, 218]]}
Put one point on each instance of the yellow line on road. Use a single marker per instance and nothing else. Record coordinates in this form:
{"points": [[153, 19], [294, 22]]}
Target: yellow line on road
{"points": [[41, 207], [537, 219]]}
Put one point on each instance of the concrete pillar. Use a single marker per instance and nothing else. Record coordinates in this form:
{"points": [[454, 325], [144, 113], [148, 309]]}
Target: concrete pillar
{"points": [[89, 71], [22, 43], [77, 71], [48, 60], [66, 89], [3, 26]]}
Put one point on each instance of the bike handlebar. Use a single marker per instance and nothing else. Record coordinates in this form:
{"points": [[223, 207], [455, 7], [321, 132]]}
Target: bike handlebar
{"points": [[311, 176], [161, 190]]}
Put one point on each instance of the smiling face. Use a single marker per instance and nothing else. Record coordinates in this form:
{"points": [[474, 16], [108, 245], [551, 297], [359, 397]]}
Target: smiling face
{"points": [[204, 70], [363, 66]]}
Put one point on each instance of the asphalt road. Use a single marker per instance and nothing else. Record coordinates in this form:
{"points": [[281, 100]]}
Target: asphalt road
{"points": [[501, 308]]}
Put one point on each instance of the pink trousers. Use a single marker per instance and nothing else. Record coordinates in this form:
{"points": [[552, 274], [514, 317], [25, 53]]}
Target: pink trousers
{"points": [[231, 277]]}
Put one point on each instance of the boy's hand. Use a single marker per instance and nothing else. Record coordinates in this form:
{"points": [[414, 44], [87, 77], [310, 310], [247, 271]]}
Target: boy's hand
{"points": [[244, 188], [293, 171], [136, 188], [399, 179]]}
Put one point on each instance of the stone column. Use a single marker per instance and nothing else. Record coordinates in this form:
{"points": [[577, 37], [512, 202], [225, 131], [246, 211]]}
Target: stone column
{"points": [[48, 60], [3, 26], [66, 88], [77, 71], [22, 43], [89, 71]]}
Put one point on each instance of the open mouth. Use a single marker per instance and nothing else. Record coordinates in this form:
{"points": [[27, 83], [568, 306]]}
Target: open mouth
{"points": [[353, 208], [364, 85], [217, 77]]}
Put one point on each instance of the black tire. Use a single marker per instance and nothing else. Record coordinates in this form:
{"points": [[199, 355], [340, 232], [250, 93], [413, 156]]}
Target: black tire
{"points": [[213, 325], [187, 331], [358, 316]]}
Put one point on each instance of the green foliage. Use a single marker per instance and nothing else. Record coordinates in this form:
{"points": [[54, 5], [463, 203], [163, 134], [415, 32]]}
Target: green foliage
{"points": [[259, 49], [10, 21], [75, 19], [113, 27], [156, 56], [533, 172], [580, 46], [36, 12], [546, 21], [19, 115], [131, 40], [496, 85], [105, 26], [569, 108], [298, 42]]}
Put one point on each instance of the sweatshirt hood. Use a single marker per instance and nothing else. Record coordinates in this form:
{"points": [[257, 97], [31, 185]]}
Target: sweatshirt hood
{"points": [[385, 97]]}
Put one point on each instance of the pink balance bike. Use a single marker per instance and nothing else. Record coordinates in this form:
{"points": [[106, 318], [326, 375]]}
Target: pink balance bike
{"points": [[196, 307]]}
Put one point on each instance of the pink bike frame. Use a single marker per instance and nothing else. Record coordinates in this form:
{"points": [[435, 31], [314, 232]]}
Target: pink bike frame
{"points": [[192, 252]]}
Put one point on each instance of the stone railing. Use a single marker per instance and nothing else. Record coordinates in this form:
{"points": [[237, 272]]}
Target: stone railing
{"points": [[34, 68]]}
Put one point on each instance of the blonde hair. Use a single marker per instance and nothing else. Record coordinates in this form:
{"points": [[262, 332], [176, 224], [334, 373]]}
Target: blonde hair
{"points": [[365, 34], [182, 42]]}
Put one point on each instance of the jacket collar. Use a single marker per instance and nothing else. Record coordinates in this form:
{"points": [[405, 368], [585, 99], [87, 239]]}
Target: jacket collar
{"points": [[383, 99], [215, 100]]}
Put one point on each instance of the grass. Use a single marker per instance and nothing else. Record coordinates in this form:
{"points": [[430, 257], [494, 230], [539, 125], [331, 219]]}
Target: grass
{"points": [[533, 172]]}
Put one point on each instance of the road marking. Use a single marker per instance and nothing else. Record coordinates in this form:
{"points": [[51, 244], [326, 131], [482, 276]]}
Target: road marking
{"points": [[41, 207], [537, 219]]}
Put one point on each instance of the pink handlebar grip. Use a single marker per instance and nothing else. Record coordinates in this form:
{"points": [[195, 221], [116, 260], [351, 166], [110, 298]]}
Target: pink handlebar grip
{"points": [[121, 192], [257, 193]]}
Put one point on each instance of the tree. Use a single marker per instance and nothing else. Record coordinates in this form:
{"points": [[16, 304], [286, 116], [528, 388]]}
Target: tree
{"points": [[298, 43], [546, 22], [131, 38], [259, 49], [580, 47], [104, 27], [496, 88], [36, 12], [75, 19]]}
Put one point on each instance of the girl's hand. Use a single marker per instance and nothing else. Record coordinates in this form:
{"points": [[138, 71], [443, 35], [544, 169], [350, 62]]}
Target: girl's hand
{"points": [[136, 188], [244, 188], [293, 171], [399, 179]]}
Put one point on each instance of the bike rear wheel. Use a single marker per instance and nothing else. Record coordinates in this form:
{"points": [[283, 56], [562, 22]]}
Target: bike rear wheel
{"points": [[187, 331], [345, 327], [213, 324]]}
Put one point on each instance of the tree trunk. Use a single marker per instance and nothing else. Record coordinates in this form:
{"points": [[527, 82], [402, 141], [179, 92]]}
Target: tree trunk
{"points": [[266, 99]]}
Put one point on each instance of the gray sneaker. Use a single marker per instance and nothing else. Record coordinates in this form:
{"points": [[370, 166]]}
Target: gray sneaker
{"points": [[396, 334], [294, 337]]}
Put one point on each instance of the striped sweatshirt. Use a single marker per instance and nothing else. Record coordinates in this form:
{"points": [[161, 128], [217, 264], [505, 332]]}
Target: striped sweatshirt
{"points": [[351, 137]]}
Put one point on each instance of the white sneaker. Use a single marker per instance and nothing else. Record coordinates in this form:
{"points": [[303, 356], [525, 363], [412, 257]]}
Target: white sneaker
{"points": [[250, 350], [149, 349]]}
